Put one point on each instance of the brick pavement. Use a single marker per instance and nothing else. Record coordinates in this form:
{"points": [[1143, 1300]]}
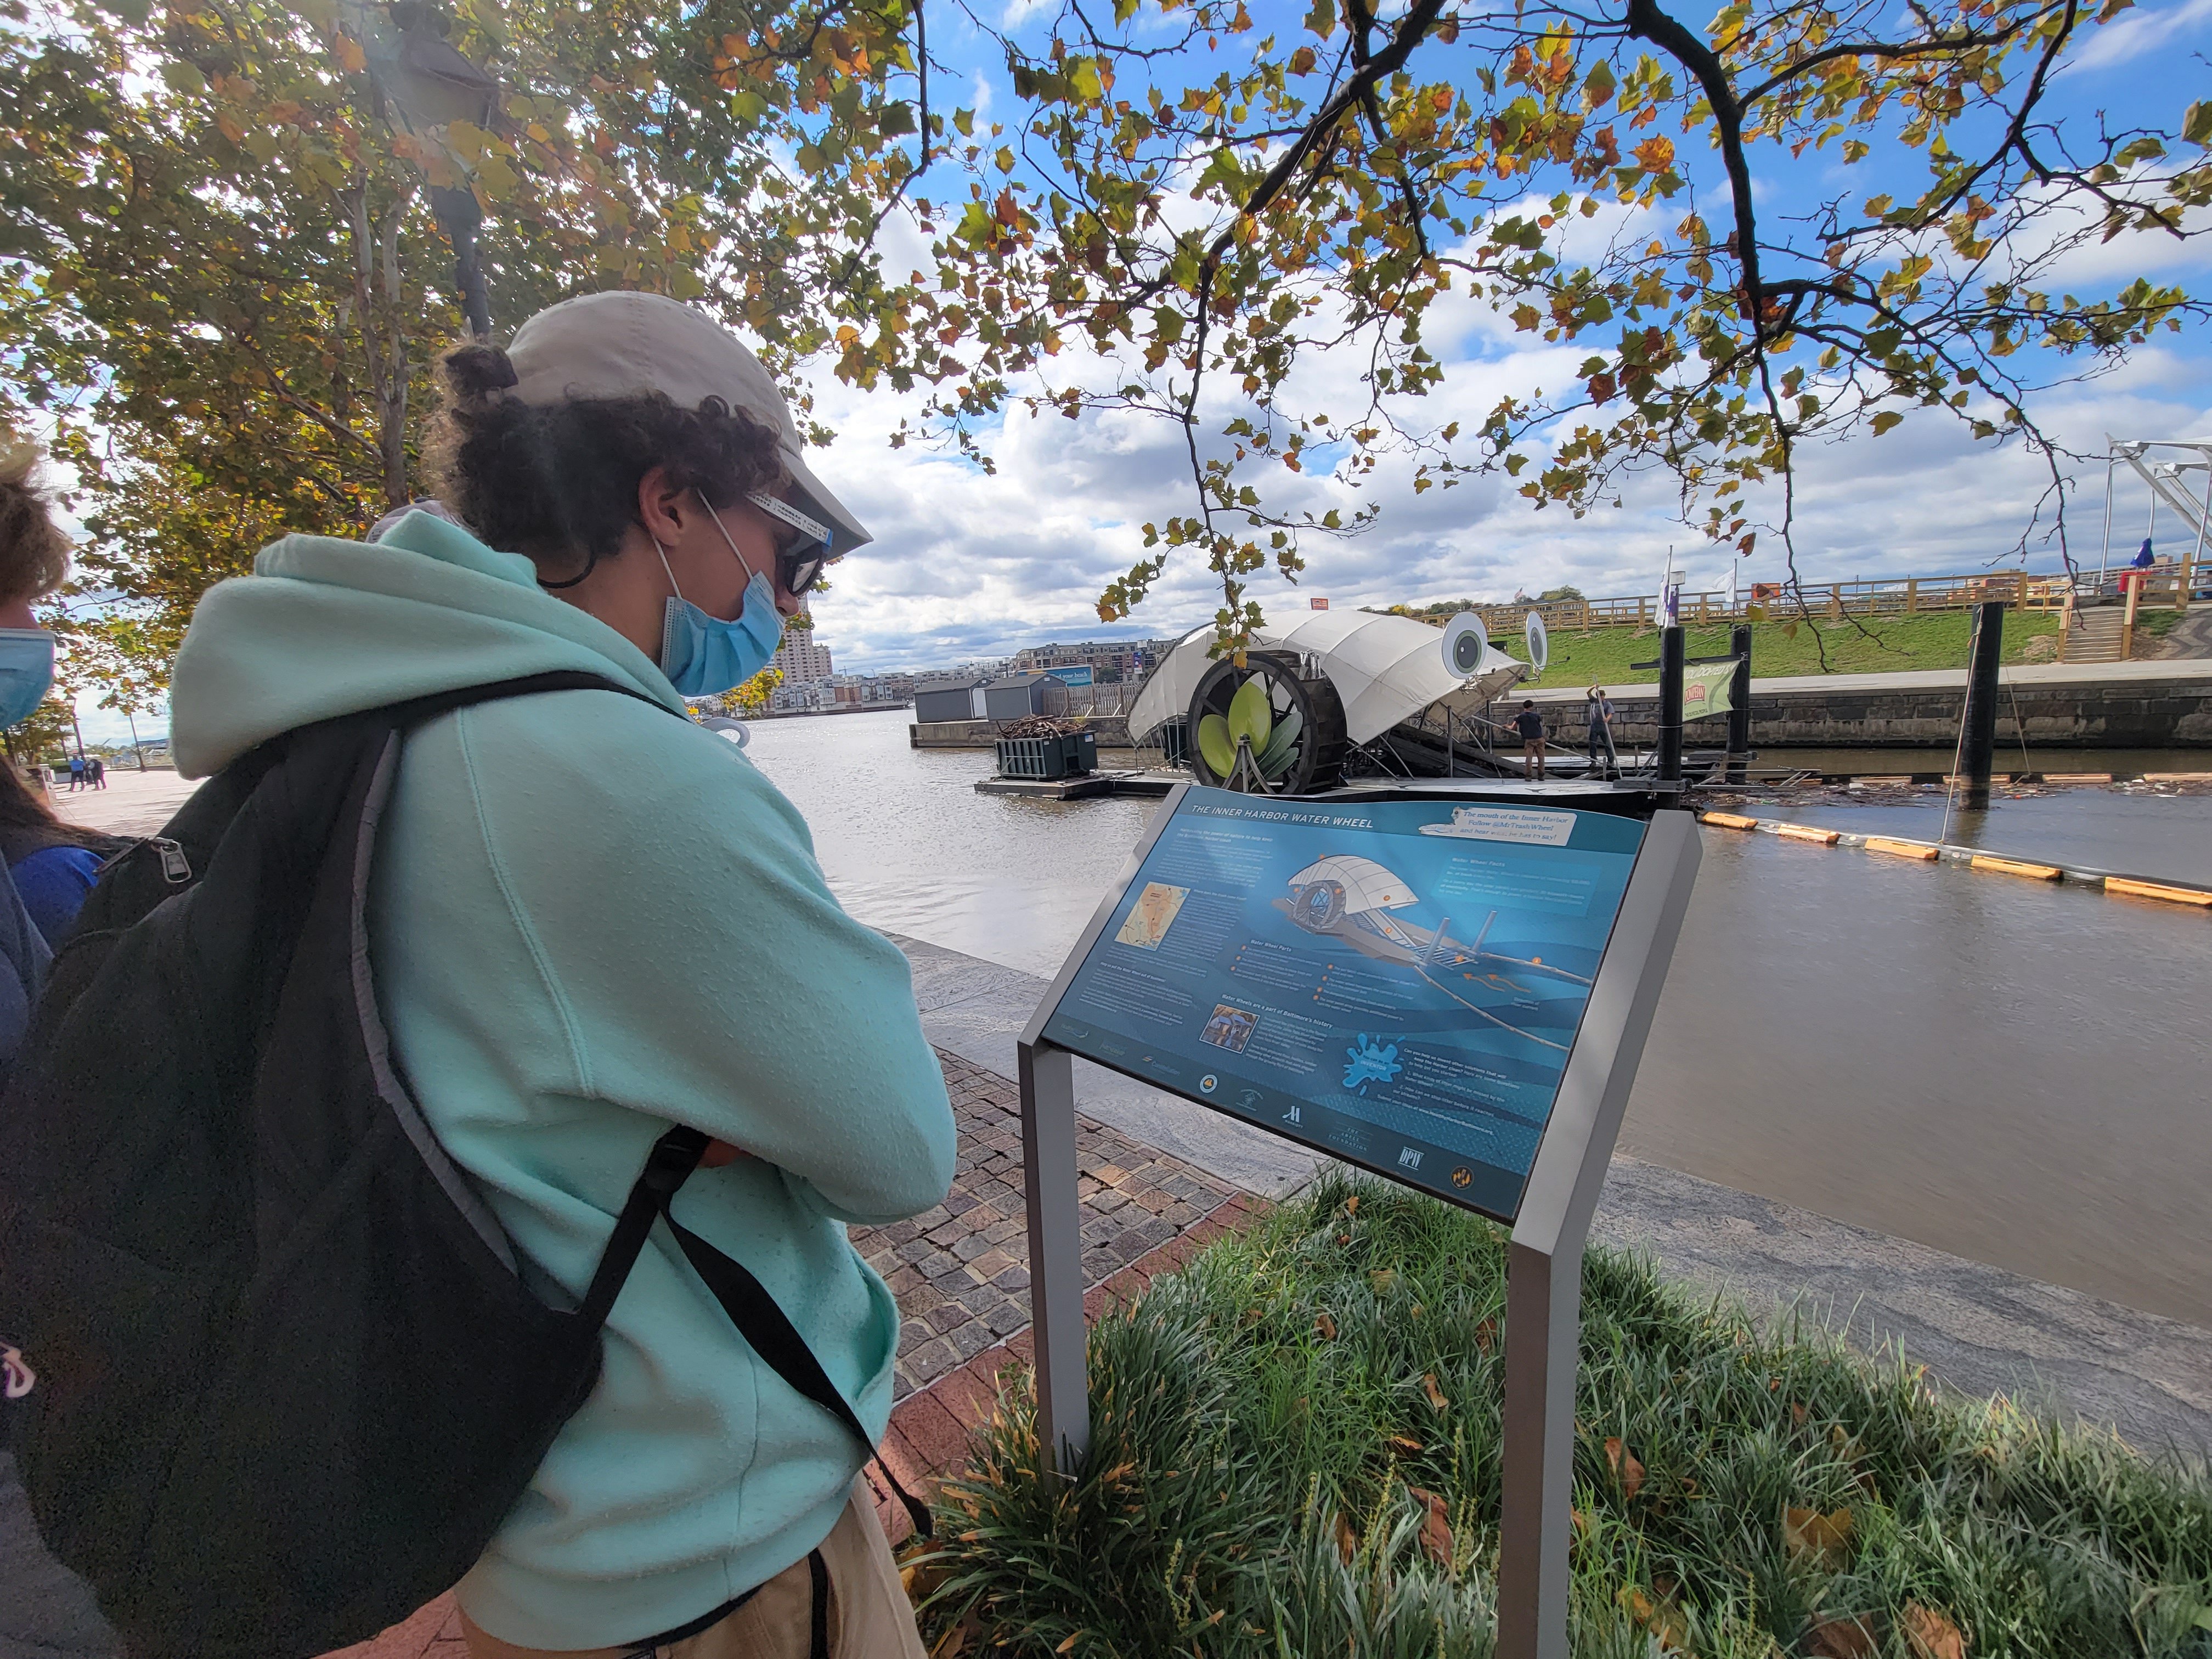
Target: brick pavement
{"points": [[960, 1272]]}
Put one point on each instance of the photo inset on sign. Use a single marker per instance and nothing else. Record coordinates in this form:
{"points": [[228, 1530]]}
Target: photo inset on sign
{"points": [[1229, 1028], [1396, 982], [1153, 915]]}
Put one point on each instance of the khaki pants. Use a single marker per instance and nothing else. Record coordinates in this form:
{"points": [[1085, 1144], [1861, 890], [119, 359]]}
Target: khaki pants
{"points": [[869, 1615]]}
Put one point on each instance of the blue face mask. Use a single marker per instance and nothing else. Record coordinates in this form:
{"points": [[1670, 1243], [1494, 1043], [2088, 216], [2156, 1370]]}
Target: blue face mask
{"points": [[704, 656], [27, 670]]}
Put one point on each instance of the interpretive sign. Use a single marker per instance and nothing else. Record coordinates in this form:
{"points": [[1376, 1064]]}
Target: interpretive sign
{"points": [[1397, 984], [1450, 992]]}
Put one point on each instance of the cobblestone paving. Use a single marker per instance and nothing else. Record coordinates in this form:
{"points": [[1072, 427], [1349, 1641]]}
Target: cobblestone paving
{"points": [[961, 1271]]}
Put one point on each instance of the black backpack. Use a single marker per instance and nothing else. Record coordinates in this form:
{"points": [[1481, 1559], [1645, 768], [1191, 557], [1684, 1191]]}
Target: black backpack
{"points": [[290, 1378]]}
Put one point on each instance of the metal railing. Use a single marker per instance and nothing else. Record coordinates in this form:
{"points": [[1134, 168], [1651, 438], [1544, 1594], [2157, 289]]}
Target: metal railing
{"points": [[2164, 587], [1080, 701]]}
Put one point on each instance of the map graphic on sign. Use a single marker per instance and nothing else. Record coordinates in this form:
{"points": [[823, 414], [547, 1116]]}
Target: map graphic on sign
{"points": [[1399, 983]]}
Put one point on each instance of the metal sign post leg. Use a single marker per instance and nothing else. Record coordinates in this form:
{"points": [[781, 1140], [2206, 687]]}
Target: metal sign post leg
{"points": [[1543, 1319], [1047, 1085]]}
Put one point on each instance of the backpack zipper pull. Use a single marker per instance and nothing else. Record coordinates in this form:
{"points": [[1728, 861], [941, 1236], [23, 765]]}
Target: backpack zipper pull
{"points": [[176, 869]]}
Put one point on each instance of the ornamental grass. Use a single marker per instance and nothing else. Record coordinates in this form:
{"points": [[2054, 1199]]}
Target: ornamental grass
{"points": [[1295, 1452]]}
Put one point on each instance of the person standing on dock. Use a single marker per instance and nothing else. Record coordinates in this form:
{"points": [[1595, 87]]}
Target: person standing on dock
{"points": [[1600, 731], [1530, 725]]}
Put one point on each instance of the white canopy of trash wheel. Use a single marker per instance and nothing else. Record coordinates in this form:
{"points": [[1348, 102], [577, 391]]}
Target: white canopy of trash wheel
{"points": [[1385, 668], [1367, 885]]}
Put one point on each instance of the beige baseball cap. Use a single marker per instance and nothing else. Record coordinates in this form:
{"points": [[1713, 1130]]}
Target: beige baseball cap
{"points": [[620, 343]]}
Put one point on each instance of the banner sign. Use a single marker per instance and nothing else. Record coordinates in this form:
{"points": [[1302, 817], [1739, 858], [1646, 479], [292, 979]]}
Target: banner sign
{"points": [[1709, 689], [1396, 983]]}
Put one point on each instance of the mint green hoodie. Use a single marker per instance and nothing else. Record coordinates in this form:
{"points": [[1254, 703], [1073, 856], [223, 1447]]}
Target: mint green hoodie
{"points": [[589, 921]]}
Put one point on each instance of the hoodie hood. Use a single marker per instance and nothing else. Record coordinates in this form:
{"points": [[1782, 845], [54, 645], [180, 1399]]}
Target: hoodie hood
{"points": [[325, 627]]}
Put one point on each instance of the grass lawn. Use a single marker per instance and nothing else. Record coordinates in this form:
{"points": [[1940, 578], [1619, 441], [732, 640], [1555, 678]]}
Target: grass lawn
{"points": [[1296, 1453], [1898, 643]]}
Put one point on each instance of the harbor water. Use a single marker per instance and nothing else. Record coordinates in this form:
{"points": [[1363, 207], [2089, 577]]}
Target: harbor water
{"points": [[2012, 1071]]}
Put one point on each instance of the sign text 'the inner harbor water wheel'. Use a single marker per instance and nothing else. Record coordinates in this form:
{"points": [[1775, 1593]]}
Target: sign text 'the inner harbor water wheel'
{"points": [[1268, 728]]}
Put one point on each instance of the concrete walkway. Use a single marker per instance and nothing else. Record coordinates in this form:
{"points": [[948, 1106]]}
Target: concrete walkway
{"points": [[133, 803]]}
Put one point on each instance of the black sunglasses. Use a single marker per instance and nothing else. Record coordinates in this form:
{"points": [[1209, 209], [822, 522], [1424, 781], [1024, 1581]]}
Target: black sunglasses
{"points": [[800, 561]]}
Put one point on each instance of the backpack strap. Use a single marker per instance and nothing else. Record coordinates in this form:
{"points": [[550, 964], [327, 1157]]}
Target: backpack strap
{"points": [[759, 1320], [417, 710]]}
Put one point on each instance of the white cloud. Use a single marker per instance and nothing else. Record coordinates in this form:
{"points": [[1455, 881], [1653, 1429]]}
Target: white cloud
{"points": [[2137, 33]]}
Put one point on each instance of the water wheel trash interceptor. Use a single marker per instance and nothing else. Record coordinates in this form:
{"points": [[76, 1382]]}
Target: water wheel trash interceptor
{"points": [[1268, 728]]}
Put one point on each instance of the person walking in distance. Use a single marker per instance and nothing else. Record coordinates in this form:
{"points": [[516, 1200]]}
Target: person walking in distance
{"points": [[1530, 725], [76, 773], [95, 771], [1600, 716], [593, 920]]}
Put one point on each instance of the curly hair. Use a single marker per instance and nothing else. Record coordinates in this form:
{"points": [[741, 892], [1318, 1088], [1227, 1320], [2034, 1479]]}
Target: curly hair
{"points": [[559, 485], [33, 552]]}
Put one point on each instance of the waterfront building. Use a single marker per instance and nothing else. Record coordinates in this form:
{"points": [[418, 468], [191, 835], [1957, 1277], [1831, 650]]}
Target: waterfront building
{"points": [[802, 661], [1109, 661]]}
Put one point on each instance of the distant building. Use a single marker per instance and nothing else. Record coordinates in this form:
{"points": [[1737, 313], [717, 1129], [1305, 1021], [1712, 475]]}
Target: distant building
{"points": [[801, 660], [955, 697], [1109, 660], [1012, 696]]}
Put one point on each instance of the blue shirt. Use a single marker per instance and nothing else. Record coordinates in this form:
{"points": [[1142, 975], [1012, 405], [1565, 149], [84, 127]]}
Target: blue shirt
{"points": [[53, 881]]}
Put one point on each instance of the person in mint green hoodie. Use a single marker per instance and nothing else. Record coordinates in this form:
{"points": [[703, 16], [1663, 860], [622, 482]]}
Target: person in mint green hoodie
{"points": [[589, 921]]}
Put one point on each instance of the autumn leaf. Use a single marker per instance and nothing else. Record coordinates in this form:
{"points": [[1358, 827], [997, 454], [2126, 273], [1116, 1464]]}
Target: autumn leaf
{"points": [[1435, 1394], [1485, 1335], [1348, 1542], [1931, 1635], [1325, 1327], [1655, 155], [1625, 1468], [1818, 1538], [351, 59], [1068, 1644], [1844, 1637], [1661, 1616], [1436, 1527]]}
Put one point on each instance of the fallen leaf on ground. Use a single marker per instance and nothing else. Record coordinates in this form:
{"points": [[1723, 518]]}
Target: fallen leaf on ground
{"points": [[1351, 1205], [1798, 1414], [1381, 1279], [1581, 1523], [1325, 1328], [1436, 1528], [1820, 1538], [1625, 1468], [1406, 1443], [1435, 1394], [1661, 1618], [1844, 1637], [1069, 1643], [1931, 1635], [1485, 1335], [1348, 1542]]}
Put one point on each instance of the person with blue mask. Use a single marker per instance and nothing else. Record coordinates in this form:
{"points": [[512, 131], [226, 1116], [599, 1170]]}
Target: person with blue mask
{"points": [[49, 866], [52, 863], [589, 921]]}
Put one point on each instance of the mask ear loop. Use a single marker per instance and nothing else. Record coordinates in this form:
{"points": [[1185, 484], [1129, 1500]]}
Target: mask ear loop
{"points": [[729, 540], [671, 575]]}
